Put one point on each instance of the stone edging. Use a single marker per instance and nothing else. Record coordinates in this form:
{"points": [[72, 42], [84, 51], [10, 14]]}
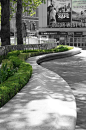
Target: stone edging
{"points": [[59, 100], [52, 56]]}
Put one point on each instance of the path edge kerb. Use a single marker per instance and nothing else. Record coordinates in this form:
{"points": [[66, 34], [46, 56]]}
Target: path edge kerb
{"points": [[65, 54], [39, 72], [58, 55]]}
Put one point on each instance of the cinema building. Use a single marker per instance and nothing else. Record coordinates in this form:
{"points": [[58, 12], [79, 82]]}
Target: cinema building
{"points": [[64, 20]]}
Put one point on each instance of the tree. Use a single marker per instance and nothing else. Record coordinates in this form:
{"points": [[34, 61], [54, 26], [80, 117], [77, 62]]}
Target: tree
{"points": [[5, 17], [33, 4], [5, 23], [19, 22]]}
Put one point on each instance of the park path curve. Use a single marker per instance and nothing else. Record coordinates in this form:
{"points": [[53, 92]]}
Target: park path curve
{"points": [[73, 70]]}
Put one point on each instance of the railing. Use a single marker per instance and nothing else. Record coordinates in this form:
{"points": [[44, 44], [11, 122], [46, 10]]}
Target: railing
{"points": [[5, 49]]}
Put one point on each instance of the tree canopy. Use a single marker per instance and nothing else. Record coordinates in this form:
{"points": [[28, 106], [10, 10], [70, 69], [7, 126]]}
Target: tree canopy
{"points": [[32, 4], [18, 7]]}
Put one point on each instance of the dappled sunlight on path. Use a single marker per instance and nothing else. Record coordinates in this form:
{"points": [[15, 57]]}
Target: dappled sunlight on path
{"points": [[36, 107], [73, 70]]}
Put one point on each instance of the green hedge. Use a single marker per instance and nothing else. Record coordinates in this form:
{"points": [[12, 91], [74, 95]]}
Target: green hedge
{"points": [[15, 83], [59, 48], [13, 53], [9, 63]]}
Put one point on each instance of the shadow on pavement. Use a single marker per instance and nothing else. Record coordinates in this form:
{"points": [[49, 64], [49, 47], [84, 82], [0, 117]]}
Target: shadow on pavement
{"points": [[73, 70]]}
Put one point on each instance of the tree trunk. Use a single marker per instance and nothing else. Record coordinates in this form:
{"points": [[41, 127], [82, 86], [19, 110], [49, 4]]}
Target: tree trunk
{"points": [[19, 22], [5, 23]]}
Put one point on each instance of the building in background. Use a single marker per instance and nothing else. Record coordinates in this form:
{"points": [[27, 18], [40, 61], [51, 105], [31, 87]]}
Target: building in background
{"points": [[30, 23], [64, 20]]}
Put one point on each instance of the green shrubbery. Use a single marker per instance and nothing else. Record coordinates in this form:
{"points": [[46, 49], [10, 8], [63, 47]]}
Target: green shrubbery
{"points": [[6, 72], [59, 48], [15, 72], [8, 62], [13, 84], [13, 53], [15, 60], [24, 56]]}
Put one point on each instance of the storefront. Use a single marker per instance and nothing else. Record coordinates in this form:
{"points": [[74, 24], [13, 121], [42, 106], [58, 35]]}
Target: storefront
{"points": [[67, 38], [64, 20]]}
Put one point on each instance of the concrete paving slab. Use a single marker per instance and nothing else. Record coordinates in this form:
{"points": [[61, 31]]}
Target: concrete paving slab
{"points": [[45, 103], [73, 70]]}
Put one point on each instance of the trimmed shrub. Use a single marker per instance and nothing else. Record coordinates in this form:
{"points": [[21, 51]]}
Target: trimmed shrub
{"points": [[13, 53], [6, 72], [14, 84], [24, 56], [8, 62], [15, 60]]}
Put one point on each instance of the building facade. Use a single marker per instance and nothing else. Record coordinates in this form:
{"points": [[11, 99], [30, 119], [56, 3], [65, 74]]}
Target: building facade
{"points": [[30, 23], [64, 20]]}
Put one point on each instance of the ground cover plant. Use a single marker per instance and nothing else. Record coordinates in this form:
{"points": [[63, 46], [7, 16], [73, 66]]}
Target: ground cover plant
{"points": [[15, 72]]}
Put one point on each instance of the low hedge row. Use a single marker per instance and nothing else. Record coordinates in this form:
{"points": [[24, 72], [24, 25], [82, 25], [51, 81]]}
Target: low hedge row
{"points": [[59, 48], [16, 82]]}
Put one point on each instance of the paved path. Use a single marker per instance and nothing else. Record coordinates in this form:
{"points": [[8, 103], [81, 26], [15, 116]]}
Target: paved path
{"points": [[73, 70], [39, 106]]}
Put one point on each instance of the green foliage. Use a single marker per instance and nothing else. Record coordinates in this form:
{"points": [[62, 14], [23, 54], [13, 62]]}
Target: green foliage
{"points": [[8, 62], [24, 56], [14, 84], [64, 46], [14, 79], [13, 53], [59, 48], [2, 57], [15, 60], [32, 4], [5, 72]]}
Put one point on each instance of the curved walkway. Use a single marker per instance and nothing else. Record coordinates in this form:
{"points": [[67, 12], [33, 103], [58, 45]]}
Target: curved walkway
{"points": [[73, 70], [45, 103]]}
